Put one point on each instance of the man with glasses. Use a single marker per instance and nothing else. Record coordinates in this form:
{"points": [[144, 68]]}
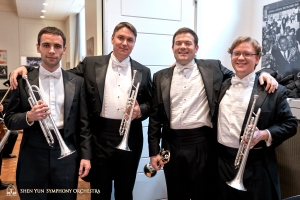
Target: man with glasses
{"points": [[183, 105], [275, 124]]}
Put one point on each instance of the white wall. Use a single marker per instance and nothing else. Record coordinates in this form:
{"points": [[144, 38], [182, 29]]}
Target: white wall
{"points": [[9, 40], [219, 22]]}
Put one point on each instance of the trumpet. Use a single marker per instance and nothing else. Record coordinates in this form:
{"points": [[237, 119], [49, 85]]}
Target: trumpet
{"points": [[243, 152], [65, 151], [4, 139], [149, 171], [126, 120], [3, 135]]}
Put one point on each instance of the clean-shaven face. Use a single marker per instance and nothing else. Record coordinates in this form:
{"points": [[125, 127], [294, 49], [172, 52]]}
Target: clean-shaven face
{"points": [[51, 49], [184, 48], [123, 42]]}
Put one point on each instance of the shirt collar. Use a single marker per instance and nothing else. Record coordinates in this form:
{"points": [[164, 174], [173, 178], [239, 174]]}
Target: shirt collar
{"points": [[190, 65]]}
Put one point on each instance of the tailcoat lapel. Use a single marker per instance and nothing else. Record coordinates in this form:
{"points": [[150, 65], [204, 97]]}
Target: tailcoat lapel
{"points": [[225, 85], [33, 79], [100, 74], [262, 94], [207, 77], [138, 75], [166, 88], [69, 87]]}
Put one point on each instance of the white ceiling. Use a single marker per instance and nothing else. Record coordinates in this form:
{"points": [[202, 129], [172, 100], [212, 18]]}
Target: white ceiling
{"points": [[55, 10]]}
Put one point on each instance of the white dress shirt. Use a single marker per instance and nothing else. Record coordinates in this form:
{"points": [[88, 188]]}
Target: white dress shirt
{"points": [[232, 111], [117, 88], [189, 105], [52, 88]]}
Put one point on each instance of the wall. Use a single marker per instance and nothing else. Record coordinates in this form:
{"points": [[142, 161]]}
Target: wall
{"points": [[19, 38], [9, 40], [28, 31], [71, 37], [219, 22], [93, 14]]}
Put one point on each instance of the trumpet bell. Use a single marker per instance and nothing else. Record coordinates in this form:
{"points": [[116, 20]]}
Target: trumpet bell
{"points": [[237, 183], [123, 145], [149, 171], [66, 153]]}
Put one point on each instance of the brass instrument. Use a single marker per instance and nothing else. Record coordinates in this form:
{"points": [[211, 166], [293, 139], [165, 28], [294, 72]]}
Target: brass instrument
{"points": [[65, 151], [243, 152], [149, 171], [4, 134], [126, 120]]}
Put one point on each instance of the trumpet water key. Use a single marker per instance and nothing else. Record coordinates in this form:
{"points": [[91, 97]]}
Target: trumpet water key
{"points": [[243, 152], [65, 151], [149, 171]]}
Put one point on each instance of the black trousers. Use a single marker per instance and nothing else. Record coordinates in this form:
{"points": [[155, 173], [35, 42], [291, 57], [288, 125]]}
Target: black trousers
{"points": [[39, 171], [9, 146], [111, 164], [256, 178], [191, 172]]}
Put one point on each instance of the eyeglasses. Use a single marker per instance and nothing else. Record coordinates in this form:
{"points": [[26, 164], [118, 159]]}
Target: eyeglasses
{"points": [[246, 54]]}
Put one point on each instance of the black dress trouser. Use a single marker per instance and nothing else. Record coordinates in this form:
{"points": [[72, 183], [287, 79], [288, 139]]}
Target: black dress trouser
{"points": [[112, 166]]}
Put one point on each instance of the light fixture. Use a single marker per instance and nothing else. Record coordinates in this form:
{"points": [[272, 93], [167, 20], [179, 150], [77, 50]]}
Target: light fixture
{"points": [[42, 16], [43, 11], [45, 4]]}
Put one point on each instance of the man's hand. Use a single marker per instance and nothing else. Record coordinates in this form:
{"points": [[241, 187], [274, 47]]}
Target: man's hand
{"points": [[38, 112], [84, 169], [1, 107], [13, 76], [156, 162], [272, 84], [136, 111], [258, 136]]}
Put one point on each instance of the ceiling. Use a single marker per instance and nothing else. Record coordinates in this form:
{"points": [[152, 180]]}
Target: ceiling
{"points": [[55, 10]]}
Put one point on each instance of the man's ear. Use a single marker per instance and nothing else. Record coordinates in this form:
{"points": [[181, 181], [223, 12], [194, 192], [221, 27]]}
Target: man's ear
{"points": [[38, 48]]}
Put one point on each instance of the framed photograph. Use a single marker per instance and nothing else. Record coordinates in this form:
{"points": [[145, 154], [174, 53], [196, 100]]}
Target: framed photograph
{"points": [[33, 61], [3, 71], [3, 57], [281, 38], [90, 47]]}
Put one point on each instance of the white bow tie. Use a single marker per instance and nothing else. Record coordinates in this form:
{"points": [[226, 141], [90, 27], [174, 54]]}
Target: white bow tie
{"points": [[123, 66], [181, 68], [45, 74], [236, 81]]}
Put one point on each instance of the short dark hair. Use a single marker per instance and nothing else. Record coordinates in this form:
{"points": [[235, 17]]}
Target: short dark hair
{"points": [[127, 25], [51, 30], [293, 29], [185, 30], [281, 38], [240, 40]]}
